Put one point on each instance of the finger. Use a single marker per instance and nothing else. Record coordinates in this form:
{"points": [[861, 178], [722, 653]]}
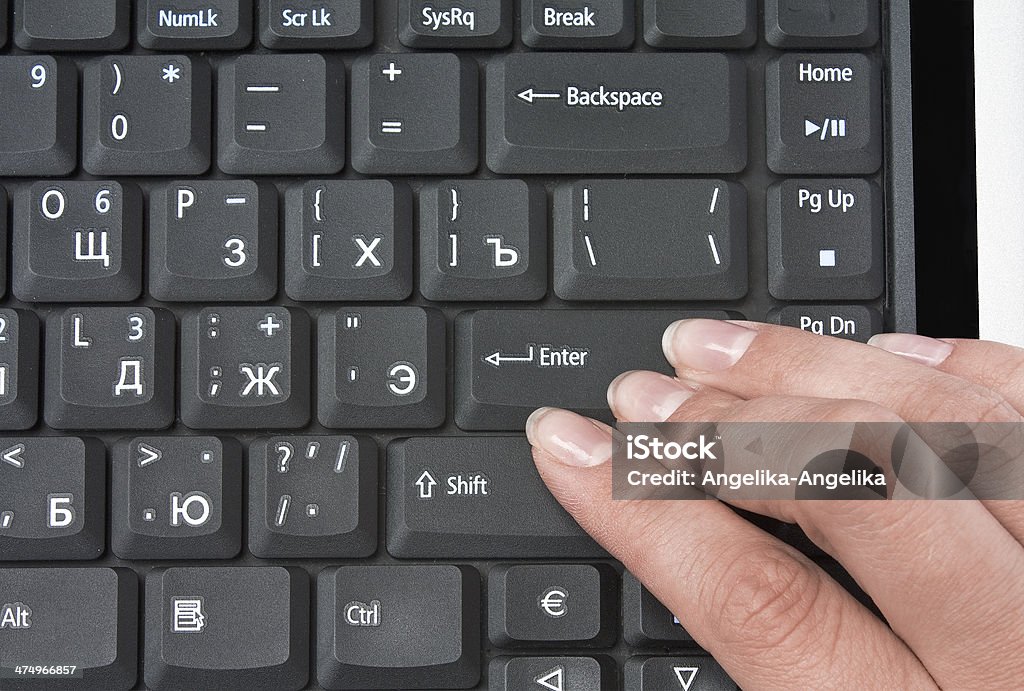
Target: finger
{"points": [[770, 616], [997, 366], [751, 360], [907, 555]]}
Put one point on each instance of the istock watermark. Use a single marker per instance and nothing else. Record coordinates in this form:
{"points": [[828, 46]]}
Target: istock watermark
{"points": [[752, 461]]}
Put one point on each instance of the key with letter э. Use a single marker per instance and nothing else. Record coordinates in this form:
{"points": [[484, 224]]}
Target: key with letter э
{"points": [[510, 362], [616, 113], [465, 497]]}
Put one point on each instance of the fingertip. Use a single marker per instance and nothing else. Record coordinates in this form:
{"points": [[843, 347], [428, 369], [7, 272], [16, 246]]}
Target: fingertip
{"points": [[570, 439]]}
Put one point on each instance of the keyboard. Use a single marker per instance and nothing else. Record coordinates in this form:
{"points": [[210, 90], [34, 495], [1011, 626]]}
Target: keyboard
{"points": [[285, 280]]}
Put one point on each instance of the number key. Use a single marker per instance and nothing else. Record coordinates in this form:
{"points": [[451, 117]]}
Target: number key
{"points": [[213, 241], [78, 241], [146, 115], [38, 115], [109, 368], [19, 369]]}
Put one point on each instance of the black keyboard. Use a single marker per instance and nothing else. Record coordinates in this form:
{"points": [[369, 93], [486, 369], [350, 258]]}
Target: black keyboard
{"points": [[286, 278]]}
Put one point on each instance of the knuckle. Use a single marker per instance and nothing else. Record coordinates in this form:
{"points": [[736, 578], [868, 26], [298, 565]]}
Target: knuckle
{"points": [[765, 598], [954, 400]]}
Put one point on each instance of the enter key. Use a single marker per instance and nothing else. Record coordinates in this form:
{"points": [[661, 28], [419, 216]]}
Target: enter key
{"points": [[511, 362]]}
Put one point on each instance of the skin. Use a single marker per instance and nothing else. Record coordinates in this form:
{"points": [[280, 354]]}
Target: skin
{"points": [[947, 576]]}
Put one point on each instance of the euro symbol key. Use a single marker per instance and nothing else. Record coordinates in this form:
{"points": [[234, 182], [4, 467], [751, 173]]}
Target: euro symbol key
{"points": [[552, 602]]}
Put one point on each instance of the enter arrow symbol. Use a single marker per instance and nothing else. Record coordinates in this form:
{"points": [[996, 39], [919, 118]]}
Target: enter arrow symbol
{"points": [[497, 359], [12, 456], [426, 484], [529, 95]]}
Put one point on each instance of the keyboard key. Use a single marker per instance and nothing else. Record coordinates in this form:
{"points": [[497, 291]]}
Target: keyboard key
{"points": [[227, 628], [176, 498], [616, 113], [824, 114], [146, 115], [213, 241], [470, 497], [52, 496], [825, 240], [700, 23], [414, 114], [85, 618], [109, 368], [690, 673], [398, 627], [578, 24], [551, 673], [19, 369], [381, 367], [3, 23], [260, 131], [552, 604], [38, 115], [3, 241], [852, 322], [313, 497], [348, 240], [646, 622], [508, 363], [78, 242], [245, 368], [596, 260], [194, 24], [820, 24], [448, 24], [329, 24], [89, 25], [483, 240]]}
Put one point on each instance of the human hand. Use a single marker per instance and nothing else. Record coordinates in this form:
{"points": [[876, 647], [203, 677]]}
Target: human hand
{"points": [[947, 575]]}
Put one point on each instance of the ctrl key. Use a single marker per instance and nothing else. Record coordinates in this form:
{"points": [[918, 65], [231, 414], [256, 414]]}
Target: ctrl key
{"points": [[227, 628], [68, 628], [398, 627]]}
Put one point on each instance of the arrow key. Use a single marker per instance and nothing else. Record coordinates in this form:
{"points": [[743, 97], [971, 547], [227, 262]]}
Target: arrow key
{"points": [[689, 673], [551, 674]]}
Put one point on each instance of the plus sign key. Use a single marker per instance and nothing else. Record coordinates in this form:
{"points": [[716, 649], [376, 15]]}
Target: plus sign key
{"points": [[414, 114], [245, 368]]}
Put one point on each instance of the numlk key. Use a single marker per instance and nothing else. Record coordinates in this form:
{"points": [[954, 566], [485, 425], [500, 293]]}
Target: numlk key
{"points": [[196, 25]]}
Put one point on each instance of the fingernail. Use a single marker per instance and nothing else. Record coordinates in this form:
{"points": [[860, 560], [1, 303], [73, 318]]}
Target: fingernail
{"points": [[570, 438], [927, 351], [646, 396], [708, 345]]}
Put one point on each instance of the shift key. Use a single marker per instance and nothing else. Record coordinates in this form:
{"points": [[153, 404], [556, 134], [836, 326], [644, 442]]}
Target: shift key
{"points": [[511, 362], [581, 113]]}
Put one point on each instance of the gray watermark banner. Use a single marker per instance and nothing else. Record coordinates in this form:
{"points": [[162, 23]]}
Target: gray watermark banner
{"points": [[753, 461]]}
